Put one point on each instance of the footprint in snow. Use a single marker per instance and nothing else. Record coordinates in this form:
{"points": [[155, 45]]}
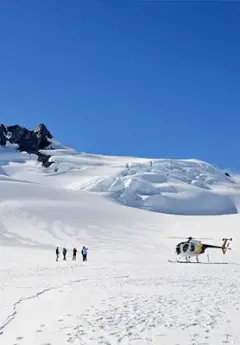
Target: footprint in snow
{"points": [[19, 338]]}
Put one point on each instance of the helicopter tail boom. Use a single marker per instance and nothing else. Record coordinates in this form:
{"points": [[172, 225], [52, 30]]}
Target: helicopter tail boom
{"points": [[224, 247]]}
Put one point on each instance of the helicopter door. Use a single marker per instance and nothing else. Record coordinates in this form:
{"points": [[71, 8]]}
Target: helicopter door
{"points": [[185, 247]]}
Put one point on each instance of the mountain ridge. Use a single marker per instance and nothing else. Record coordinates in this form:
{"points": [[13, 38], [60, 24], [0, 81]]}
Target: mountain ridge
{"points": [[30, 141]]}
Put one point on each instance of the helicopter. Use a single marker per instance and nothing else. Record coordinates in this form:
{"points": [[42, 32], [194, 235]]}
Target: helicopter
{"points": [[194, 248]]}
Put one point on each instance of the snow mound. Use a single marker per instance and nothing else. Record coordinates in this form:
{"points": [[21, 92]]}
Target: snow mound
{"points": [[183, 187], [201, 203], [154, 177]]}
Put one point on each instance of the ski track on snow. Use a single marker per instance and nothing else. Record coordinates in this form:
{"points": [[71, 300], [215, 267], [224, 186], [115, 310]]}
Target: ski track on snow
{"points": [[142, 311], [12, 316]]}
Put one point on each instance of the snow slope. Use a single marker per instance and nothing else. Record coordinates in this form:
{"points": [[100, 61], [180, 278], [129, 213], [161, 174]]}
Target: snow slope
{"points": [[185, 187], [127, 293]]}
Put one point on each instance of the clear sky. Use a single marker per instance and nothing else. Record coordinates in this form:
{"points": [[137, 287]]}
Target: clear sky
{"points": [[125, 77]]}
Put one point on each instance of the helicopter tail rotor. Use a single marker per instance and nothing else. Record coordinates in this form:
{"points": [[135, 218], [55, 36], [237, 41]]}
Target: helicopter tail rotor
{"points": [[226, 243]]}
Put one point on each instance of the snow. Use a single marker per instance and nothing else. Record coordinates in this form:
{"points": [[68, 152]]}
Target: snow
{"points": [[130, 212], [199, 203]]}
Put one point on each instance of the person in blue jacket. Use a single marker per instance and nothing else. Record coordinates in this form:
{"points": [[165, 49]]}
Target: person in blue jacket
{"points": [[84, 253]]}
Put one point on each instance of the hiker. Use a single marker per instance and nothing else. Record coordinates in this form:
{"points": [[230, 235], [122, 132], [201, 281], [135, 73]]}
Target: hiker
{"points": [[74, 253], [64, 253], [57, 254], [84, 253]]}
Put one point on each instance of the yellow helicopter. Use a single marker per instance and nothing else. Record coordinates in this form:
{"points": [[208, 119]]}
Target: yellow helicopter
{"points": [[194, 248]]}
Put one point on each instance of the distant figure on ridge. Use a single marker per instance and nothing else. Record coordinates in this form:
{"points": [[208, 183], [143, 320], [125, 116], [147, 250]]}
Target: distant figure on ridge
{"points": [[84, 253], [64, 252], [57, 254], [74, 253]]}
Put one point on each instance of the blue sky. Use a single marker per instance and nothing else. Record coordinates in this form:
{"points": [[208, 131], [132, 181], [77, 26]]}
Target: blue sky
{"points": [[141, 78]]}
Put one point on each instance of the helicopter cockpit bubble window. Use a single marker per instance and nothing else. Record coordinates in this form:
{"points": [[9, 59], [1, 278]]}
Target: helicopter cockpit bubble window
{"points": [[178, 250], [192, 248], [185, 247]]}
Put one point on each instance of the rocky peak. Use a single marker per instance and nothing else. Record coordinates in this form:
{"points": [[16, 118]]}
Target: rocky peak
{"points": [[42, 130], [30, 141]]}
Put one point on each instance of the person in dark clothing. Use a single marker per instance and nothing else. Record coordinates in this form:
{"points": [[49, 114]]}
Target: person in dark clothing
{"points": [[57, 254], [64, 253], [84, 253], [74, 254]]}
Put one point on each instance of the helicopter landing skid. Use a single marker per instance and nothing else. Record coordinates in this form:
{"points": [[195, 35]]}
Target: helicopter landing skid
{"points": [[195, 262]]}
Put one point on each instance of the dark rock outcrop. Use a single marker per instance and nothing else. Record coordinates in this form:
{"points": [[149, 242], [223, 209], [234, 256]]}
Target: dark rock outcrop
{"points": [[28, 140], [3, 135], [44, 159]]}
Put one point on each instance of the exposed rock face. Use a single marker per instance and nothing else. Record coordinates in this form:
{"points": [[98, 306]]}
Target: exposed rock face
{"points": [[27, 140], [44, 159], [3, 135]]}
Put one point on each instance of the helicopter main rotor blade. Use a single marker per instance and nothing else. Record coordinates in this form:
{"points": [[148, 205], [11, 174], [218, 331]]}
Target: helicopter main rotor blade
{"points": [[187, 237]]}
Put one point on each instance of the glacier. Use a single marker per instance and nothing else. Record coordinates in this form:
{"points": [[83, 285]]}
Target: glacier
{"points": [[130, 212]]}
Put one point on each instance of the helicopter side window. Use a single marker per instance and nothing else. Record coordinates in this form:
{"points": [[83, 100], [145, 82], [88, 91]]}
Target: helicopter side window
{"points": [[178, 250], [185, 247], [192, 248]]}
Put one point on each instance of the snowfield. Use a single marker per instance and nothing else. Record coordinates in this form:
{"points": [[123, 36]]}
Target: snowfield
{"points": [[130, 212]]}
